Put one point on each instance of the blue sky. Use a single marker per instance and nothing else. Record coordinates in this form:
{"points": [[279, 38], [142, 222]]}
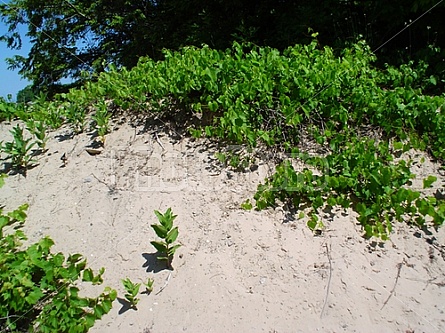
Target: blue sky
{"points": [[10, 81]]}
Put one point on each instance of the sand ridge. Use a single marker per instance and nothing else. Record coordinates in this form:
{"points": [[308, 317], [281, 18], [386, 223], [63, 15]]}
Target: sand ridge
{"points": [[237, 270]]}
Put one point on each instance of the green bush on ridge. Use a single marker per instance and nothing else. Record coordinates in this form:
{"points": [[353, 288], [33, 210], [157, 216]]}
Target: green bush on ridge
{"points": [[260, 96]]}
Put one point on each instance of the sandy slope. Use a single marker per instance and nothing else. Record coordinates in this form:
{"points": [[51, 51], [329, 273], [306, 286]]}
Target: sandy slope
{"points": [[237, 271]]}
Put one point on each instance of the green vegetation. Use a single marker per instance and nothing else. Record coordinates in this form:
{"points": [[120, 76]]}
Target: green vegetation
{"points": [[25, 95], [8, 110], [18, 150], [88, 35], [38, 289], [349, 123], [362, 175], [168, 234], [149, 285], [278, 102], [244, 73], [38, 129]]}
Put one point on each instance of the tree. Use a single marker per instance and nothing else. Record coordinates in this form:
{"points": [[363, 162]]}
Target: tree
{"points": [[25, 95]]}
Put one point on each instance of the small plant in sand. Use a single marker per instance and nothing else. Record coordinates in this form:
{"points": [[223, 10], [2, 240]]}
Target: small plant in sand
{"points": [[19, 149], [38, 129], [75, 115], [168, 233], [132, 290], [102, 118], [149, 285]]}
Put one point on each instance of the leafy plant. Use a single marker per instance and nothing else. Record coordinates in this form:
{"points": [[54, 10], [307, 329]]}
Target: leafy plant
{"points": [[75, 114], [38, 129], [247, 205], [168, 234], [291, 102], [8, 110], [149, 285], [38, 289], [132, 289], [361, 175], [19, 149], [101, 117]]}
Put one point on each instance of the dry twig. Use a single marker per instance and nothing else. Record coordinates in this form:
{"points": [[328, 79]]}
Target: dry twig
{"points": [[159, 141], [399, 266], [329, 280], [165, 284]]}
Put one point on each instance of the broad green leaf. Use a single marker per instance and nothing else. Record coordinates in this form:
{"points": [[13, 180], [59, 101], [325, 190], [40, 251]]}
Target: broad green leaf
{"points": [[433, 80], [160, 230], [99, 311], [4, 221], [106, 305], [87, 275], [172, 235], [427, 182], [331, 201], [161, 247], [398, 145], [34, 296]]}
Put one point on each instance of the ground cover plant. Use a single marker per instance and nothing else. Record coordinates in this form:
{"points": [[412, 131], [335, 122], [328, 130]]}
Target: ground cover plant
{"points": [[306, 99], [38, 288]]}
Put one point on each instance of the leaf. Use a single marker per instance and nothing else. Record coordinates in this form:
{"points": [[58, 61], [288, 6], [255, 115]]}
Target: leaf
{"points": [[172, 235], [211, 73], [172, 250], [34, 296], [107, 305], [19, 214], [433, 80], [161, 247], [160, 230], [88, 275], [247, 205], [90, 319], [99, 311], [159, 215], [312, 223], [4, 221], [398, 145], [2, 176], [427, 182], [331, 201]]}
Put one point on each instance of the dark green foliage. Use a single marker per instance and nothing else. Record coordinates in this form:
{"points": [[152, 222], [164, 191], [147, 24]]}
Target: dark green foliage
{"points": [[71, 36], [25, 95]]}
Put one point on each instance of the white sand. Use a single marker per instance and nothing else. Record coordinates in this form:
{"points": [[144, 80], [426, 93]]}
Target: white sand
{"points": [[237, 271]]}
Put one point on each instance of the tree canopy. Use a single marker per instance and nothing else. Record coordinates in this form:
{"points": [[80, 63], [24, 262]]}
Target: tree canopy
{"points": [[72, 36]]}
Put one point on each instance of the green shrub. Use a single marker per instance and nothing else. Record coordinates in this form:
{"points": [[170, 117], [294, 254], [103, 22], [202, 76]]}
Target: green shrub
{"points": [[38, 289]]}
